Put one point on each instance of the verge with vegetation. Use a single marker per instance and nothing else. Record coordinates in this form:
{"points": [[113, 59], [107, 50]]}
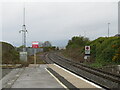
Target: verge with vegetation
{"points": [[9, 54], [104, 51]]}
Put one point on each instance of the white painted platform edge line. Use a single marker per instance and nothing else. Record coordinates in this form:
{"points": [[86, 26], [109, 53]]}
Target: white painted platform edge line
{"points": [[55, 78], [78, 76]]}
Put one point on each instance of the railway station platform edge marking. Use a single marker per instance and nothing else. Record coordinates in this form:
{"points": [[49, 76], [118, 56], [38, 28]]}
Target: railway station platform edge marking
{"points": [[78, 76], [56, 78]]}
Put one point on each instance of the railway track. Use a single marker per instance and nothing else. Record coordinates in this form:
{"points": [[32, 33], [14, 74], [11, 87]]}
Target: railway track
{"points": [[106, 80]]}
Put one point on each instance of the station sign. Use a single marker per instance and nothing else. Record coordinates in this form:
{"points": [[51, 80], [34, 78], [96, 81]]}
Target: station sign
{"points": [[87, 50], [35, 44], [23, 56]]}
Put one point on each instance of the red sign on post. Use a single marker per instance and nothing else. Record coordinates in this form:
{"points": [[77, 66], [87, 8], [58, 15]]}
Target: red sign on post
{"points": [[87, 47], [87, 50], [35, 44]]}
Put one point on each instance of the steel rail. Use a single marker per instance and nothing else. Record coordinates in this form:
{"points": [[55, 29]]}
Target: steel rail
{"points": [[71, 65]]}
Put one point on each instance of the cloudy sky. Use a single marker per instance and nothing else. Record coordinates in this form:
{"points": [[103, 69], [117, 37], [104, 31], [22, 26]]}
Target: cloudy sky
{"points": [[58, 22]]}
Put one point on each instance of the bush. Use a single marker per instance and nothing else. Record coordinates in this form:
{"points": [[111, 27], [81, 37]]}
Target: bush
{"points": [[104, 50], [9, 54]]}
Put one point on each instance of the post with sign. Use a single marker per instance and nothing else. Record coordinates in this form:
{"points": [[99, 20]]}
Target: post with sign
{"points": [[35, 45], [87, 52]]}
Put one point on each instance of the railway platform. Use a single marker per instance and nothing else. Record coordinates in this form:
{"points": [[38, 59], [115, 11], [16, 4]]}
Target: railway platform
{"points": [[75, 80], [45, 76], [34, 76]]}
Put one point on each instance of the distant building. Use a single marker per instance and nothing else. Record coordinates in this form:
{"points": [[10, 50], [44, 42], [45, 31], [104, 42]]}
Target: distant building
{"points": [[46, 44], [40, 44]]}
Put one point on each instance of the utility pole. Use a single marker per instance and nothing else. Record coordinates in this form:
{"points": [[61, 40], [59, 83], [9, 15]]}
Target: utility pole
{"points": [[23, 31], [23, 54], [108, 29]]}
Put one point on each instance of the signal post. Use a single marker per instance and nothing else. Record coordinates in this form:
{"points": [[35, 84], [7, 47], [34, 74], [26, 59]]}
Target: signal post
{"points": [[87, 52], [35, 45]]}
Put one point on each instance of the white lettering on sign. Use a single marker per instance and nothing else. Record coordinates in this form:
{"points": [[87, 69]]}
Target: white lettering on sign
{"points": [[35, 44]]}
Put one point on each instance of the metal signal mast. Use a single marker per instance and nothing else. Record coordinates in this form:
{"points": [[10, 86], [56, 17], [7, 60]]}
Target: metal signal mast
{"points": [[23, 31]]}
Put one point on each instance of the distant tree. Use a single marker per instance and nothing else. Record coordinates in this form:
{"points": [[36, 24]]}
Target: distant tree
{"points": [[47, 44], [77, 42], [22, 46], [57, 48]]}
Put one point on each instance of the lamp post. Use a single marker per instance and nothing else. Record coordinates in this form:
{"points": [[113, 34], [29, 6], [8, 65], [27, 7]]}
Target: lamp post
{"points": [[23, 54], [24, 31]]}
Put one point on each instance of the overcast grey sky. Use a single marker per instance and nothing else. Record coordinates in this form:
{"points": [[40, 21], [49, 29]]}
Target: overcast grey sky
{"points": [[58, 22]]}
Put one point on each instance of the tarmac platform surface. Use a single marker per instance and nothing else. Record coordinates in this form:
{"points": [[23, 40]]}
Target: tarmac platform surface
{"points": [[31, 77], [44, 76]]}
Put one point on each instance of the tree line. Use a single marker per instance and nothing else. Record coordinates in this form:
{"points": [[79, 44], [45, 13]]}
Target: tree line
{"points": [[104, 50]]}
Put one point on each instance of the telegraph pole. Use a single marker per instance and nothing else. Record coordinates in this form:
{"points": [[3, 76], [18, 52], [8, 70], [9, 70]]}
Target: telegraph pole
{"points": [[23, 54], [23, 31]]}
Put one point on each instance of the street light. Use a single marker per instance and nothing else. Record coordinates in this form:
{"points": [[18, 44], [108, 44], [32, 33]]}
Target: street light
{"points": [[108, 29], [24, 31], [23, 54]]}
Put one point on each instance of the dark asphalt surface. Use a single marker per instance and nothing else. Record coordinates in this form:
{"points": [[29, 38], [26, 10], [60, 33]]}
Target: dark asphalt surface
{"points": [[63, 80], [5, 72]]}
